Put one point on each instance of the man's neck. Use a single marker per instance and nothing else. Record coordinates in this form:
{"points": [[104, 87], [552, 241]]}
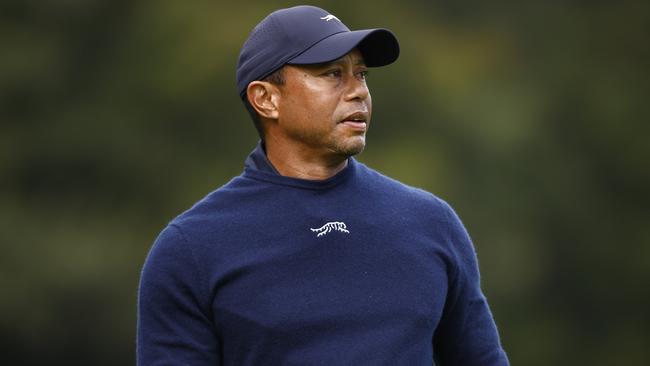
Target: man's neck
{"points": [[299, 161]]}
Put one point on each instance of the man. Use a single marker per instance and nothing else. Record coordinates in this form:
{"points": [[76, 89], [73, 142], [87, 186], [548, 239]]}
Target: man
{"points": [[310, 257]]}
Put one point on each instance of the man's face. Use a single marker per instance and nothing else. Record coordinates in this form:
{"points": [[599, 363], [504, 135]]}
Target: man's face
{"points": [[326, 107]]}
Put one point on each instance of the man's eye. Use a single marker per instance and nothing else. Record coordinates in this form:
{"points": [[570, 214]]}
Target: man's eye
{"points": [[363, 74], [334, 73]]}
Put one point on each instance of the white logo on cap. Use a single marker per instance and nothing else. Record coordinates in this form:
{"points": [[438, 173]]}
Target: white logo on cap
{"points": [[329, 17]]}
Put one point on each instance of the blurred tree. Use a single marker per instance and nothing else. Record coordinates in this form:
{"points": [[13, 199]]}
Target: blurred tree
{"points": [[529, 118]]}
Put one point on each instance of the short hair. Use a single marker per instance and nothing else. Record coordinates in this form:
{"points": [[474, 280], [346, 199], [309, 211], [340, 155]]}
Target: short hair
{"points": [[276, 78]]}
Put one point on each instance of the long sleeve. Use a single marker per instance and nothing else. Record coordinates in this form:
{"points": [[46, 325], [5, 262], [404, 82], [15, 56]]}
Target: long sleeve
{"points": [[467, 334], [175, 325]]}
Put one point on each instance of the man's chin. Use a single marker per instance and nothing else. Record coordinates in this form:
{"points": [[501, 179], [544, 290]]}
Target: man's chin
{"points": [[351, 148]]}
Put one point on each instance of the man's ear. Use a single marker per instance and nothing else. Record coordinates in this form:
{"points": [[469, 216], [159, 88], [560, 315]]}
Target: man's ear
{"points": [[263, 96]]}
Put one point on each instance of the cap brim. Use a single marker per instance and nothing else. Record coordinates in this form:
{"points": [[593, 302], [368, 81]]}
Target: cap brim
{"points": [[379, 47]]}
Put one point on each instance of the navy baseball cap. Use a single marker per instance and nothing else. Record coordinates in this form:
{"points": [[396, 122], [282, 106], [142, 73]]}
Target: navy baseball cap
{"points": [[307, 35]]}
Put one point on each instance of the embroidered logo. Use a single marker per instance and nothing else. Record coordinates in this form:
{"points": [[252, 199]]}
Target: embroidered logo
{"points": [[329, 17], [334, 225]]}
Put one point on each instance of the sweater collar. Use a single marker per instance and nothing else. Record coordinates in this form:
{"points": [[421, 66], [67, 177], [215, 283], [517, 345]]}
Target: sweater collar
{"points": [[257, 160], [258, 166]]}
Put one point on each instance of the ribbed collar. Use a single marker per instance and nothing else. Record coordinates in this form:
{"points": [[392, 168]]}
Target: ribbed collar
{"points": [[258, 166]]}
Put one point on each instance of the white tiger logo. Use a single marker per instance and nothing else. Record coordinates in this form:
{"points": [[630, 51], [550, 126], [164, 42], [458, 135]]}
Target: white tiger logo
{"points": [[334, 225]]}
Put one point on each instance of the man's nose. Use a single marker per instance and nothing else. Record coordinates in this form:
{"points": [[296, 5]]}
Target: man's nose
{"points": [[357, 88]]}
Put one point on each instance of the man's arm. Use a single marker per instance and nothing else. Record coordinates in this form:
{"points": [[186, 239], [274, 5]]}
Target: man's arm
{"points": [[174, 322], [467, 334]]}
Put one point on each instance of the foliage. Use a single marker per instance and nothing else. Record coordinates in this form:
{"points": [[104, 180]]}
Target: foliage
{"points": [[529, 118]]}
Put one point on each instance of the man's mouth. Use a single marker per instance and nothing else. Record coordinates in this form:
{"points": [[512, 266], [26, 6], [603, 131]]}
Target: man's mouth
{"points": [[356, 120]]}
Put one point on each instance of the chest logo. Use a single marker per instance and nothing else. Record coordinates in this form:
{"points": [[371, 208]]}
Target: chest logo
{"points": [[333, 225]]}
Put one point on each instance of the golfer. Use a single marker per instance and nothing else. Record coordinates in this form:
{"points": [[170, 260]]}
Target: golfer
{"points": [[310, 257]]}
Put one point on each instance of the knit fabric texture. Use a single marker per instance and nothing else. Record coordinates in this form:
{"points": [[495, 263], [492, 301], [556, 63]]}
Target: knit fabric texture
{"points": [[358, 269]]}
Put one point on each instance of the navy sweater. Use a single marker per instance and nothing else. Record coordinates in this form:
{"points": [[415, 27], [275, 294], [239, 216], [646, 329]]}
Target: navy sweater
{"points": [[358, 269]]}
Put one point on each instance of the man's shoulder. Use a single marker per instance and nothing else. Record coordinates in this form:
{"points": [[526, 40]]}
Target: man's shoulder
{"points": [[388, 184], [418, 207], [219, 205]]}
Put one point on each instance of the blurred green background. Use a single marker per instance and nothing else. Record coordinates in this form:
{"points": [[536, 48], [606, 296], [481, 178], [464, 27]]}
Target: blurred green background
{"points": [[530, 118]]}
